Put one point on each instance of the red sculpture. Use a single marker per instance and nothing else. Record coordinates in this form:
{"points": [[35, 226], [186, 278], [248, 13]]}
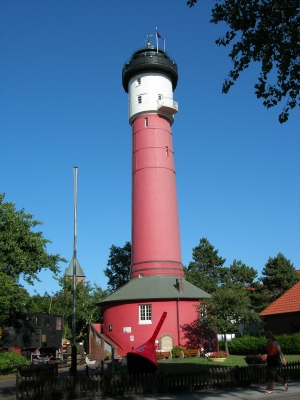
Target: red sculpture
{"points": [[143, 358]]}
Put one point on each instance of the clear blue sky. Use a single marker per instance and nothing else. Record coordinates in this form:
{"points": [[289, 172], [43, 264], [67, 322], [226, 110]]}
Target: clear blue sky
{"points": [[63, 104]]}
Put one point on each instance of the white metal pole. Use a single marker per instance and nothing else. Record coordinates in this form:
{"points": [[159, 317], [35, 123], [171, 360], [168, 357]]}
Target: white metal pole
{"points": [[74, 349]]}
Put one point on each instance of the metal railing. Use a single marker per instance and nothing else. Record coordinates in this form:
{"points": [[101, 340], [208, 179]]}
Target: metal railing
{"points": [[167, 102]]}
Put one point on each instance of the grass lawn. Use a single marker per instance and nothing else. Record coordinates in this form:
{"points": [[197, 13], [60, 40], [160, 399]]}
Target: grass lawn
{"points": [[193, 363]]}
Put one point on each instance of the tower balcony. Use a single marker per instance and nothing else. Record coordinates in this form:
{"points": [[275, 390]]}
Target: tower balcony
{"points": [[168, 105]]}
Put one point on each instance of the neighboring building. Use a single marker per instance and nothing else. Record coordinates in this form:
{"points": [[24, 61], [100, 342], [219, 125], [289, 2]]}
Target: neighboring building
{"points": [[157, 284], [283, 315], [79, 271]]}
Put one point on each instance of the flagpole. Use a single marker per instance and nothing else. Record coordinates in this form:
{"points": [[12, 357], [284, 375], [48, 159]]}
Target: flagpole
{"points": [[156, 41], [74, 349]]}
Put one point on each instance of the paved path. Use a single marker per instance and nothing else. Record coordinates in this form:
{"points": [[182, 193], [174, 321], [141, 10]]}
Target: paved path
{"points": [[254, 392]]}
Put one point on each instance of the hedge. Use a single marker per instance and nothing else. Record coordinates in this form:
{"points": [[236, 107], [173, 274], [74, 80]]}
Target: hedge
{"points": [[10, 360], [290, 344]]}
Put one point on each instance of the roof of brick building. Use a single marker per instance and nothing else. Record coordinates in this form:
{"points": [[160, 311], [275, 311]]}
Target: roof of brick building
{"points": [[287, 303]]}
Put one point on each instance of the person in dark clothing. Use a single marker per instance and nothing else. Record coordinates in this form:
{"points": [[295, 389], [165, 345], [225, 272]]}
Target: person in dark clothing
{"points": [[274, 356]]}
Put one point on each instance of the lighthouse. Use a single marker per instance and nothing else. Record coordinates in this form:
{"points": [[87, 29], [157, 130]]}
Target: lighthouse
{"points": [[150, 78], [157, 282]]}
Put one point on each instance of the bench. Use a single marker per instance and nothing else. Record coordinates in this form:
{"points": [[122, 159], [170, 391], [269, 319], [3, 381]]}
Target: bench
{"points": [[190, 353], [162, 354]]}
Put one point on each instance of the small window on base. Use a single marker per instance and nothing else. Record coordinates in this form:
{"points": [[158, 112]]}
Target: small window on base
{"points": [[146, 122], [145, 314]]}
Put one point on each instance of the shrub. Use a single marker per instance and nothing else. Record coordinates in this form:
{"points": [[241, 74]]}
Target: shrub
{"points": [[256, 359], [176, 351], [9, 360], [247, 345], [218, 354], [221, 344], [290, 344]]}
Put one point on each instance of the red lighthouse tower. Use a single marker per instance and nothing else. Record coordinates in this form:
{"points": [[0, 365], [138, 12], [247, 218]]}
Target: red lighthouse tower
{"points": [[149, 78], [157, 282]]}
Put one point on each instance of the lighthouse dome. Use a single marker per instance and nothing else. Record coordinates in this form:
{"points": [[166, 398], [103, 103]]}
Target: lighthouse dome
{"points": [[149, 59]]}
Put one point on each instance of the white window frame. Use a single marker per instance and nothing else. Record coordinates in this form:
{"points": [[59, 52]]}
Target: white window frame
{"points": [[142, 98], [145, 314]]}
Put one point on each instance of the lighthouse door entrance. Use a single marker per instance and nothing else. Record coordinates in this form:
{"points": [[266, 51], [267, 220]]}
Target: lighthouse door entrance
{"points": [[166, 343]]}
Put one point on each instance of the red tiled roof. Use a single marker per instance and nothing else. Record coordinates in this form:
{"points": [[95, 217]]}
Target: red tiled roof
{"points": [[288, 302]]}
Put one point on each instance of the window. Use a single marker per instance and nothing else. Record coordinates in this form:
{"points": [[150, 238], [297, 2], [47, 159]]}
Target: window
{"points": [[146, 122], [98, 340], [138, 81], [160, 96], [145, 314], [139, 99]]}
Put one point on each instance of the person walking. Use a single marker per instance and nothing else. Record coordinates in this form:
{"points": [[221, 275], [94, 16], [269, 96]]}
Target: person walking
{"points": [[274, 357]]}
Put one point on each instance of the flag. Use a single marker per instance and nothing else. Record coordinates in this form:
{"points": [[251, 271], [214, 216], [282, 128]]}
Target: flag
{"points": [[159, 35]]}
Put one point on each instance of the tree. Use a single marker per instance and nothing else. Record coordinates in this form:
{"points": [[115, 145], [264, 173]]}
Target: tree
{"points": [[11, 294], [228, 308], [279, 275], [118, 269], [41, 303], [266, 31], [87, 310], [205, 271], [240, 274], [23, 251]]}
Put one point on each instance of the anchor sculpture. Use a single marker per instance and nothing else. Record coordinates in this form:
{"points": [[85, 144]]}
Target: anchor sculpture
{"points": [[143, 358]]}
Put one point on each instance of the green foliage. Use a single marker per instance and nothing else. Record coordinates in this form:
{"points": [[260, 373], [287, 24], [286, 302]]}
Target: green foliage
{"points": [[11, 294], [87, 310], [23, 251], [240, 274], [290, 344], [247, 345], [10, 359], [221, 344], [118, 269], [279, 275], [41, 303], [228, 308], [176, 351], [205, 271], [259, 297], [268, 32]]}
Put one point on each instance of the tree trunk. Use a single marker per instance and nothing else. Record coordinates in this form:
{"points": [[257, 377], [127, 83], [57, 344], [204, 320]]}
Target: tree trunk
{"points": [[226, 344]]}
